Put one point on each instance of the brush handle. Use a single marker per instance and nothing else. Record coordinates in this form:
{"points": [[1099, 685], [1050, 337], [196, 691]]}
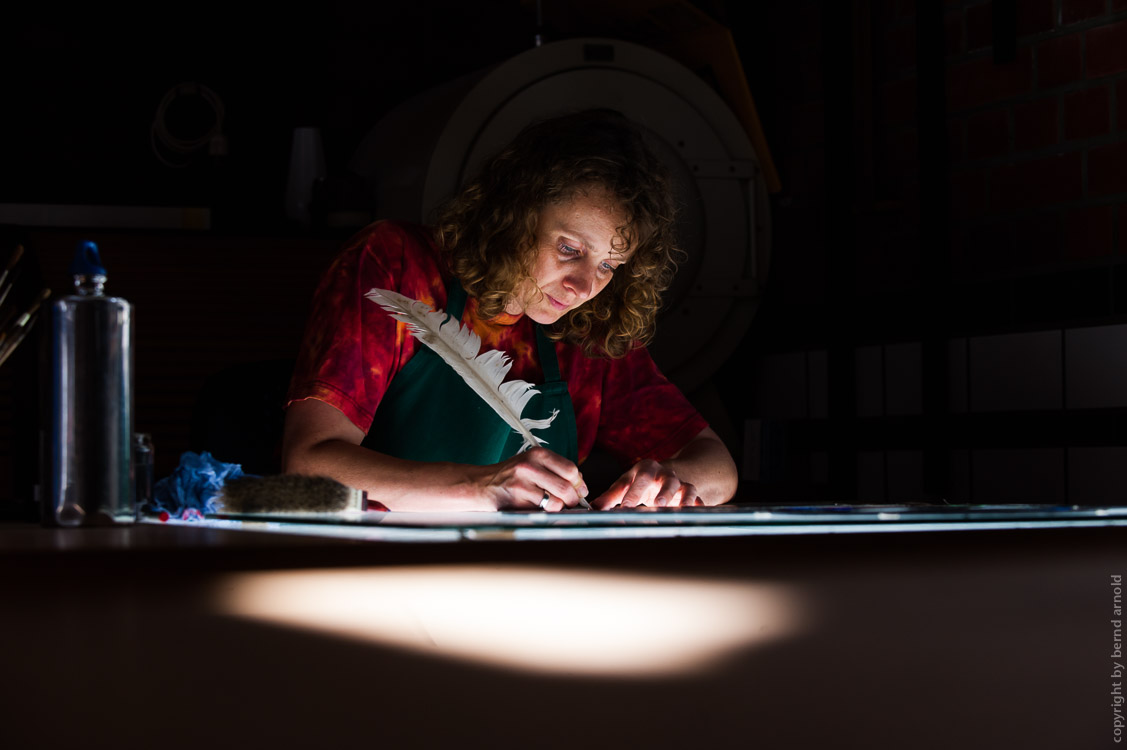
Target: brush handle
{"points": [[10, 343]]}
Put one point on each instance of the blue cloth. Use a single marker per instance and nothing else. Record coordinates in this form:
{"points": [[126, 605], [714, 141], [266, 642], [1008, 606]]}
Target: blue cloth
{"points": [[192, 486]]}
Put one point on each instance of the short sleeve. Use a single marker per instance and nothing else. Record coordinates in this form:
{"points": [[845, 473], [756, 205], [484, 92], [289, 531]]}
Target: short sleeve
{"points": [[643, 414], [352, 348]]}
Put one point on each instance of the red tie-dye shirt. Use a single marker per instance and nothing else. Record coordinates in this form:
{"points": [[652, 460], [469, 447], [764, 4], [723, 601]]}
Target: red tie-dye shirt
{"points": [[353, 348]]}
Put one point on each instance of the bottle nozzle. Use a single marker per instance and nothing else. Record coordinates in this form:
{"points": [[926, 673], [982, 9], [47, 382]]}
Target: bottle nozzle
{"points": [[87, 269], [86, 260]]}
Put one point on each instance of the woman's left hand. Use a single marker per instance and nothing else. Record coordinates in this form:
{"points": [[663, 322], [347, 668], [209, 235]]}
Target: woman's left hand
{"points": [[648, 483]]}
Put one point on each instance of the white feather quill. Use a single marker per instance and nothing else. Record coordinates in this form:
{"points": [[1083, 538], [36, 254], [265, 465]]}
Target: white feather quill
{"points": [[460, 347]]}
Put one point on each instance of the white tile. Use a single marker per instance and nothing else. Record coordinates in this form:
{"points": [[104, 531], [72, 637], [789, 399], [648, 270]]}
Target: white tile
{"points": [[960, 478], [819, 383], [752, 464], [903, 379], [905, 476], [780, 391], [870, 477], [870, 381], [1018, 476], [819, 467], [1097, 475], [1096, 367], [1016, 372], [957, 375]]}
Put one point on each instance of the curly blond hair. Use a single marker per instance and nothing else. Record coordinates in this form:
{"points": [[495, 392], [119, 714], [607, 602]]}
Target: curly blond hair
{"points": [[488, 230]]}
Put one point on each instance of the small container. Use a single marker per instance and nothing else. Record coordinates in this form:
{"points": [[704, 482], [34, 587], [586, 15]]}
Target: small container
{"points": [[142, 471], [90, 442]]}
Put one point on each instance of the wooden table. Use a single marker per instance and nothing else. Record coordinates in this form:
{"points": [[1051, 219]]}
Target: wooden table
{"points": [[183, 636]]}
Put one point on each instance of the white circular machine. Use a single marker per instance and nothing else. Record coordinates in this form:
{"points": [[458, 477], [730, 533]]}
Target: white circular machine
{"points": [[420, 153]]}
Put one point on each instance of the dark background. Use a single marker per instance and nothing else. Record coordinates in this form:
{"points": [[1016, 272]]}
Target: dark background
{"points": [[951, 213]]}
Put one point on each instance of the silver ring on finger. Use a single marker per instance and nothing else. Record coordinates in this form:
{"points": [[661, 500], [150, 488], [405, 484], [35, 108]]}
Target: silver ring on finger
{"points": [[544, 500]]}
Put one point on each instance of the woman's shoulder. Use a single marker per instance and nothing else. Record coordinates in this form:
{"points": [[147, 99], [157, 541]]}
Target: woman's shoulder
{"points": [[400, 255], [399, 248]]}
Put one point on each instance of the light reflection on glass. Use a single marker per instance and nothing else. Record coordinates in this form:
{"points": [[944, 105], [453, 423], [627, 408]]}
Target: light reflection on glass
{"points": [[523, 617]]}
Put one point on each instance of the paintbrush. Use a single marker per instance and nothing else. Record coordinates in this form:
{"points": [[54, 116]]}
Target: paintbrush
{"points": [[11, 338], [285, 494], [4, 289]]}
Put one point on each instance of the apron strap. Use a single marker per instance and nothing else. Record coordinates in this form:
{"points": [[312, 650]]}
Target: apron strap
{"points": [[455, 299], [546, 349], [429, 413]]}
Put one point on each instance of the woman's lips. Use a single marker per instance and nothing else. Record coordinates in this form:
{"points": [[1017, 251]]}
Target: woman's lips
{"points": [[556, 303]]}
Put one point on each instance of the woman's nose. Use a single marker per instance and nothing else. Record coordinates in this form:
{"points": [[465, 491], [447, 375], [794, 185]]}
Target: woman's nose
{"points": [[581, 281]]}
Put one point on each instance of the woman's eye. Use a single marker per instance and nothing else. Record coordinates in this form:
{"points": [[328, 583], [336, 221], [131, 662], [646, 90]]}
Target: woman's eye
{"points": [[608, 267], [568, 249]]}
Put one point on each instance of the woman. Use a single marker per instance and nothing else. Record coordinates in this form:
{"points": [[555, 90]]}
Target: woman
{"points": [[555, 254]]}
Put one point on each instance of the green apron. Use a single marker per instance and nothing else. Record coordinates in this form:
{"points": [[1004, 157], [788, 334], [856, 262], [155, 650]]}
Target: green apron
{"points": [[430, 414]]}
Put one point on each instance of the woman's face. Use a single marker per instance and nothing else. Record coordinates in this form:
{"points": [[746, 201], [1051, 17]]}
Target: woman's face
{"points": [[577, 252]]}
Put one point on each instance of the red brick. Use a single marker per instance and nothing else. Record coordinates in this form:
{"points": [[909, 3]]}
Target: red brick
{"points": [[1034, 16], [1035, 124], [899, 265], [1037, 239], [1123, 225], [990, 247], [812, 174], [889, 10], [1059, 61], [897, 164], [958, 252], [871, 257], [806, 77], [1121, 103], [904, 146], [968, 194], [1072, 11], [988, 134], [1087, 113], [1107, 169], [981, 252], [1033, 184], [1107, 49], [900, 48], [1088, 233], [911, 199], [953, 32], [805, 122], [898, 101], [981, 81], [955, 139], [980, 34]]}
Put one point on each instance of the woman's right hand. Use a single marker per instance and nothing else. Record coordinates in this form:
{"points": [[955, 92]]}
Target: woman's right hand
{"points": [[320, 440], [519, 483]]}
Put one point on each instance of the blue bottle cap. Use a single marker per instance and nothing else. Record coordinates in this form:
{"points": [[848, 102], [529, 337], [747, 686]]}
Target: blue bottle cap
{"points": [[86, 261]]}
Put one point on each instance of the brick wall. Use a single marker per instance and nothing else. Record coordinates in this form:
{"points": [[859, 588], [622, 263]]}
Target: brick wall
{"points": [[1038, 169], [969, 313]]}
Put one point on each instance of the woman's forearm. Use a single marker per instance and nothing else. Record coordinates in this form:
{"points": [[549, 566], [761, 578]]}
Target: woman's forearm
{"points": [[397, 483], [706, 464], [320, 440]]}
